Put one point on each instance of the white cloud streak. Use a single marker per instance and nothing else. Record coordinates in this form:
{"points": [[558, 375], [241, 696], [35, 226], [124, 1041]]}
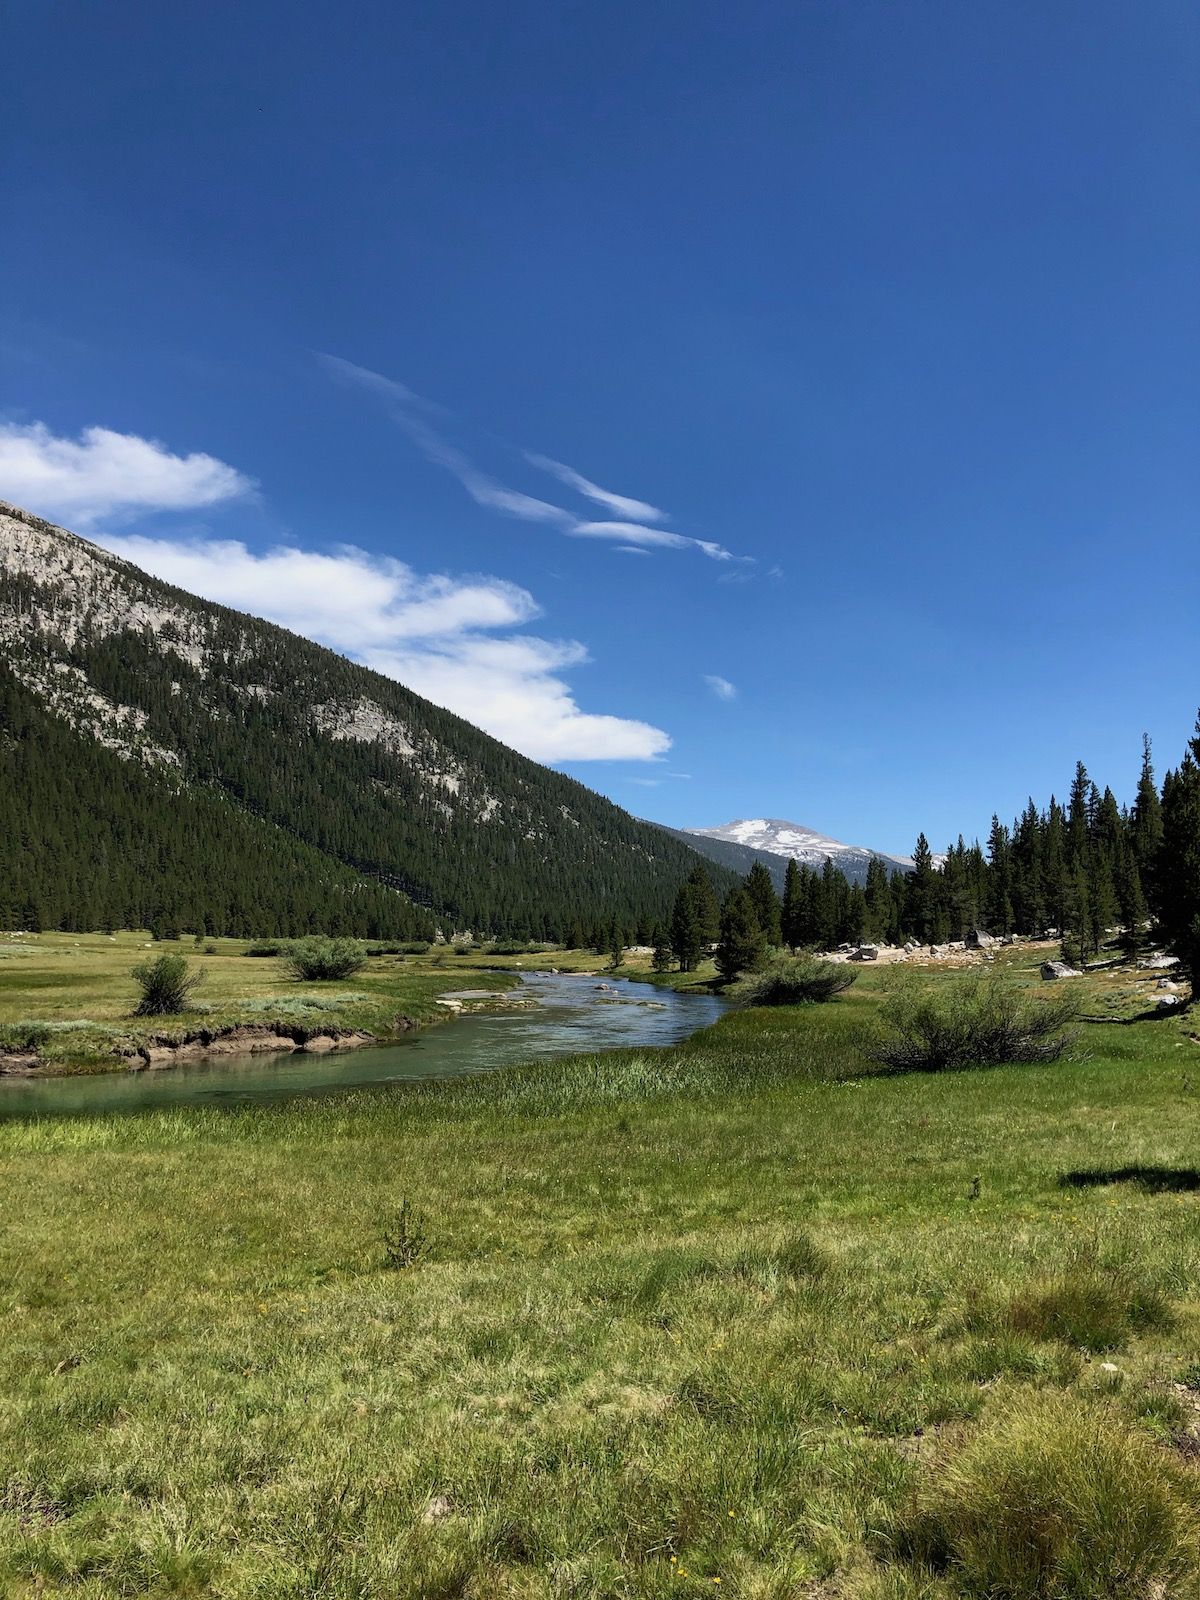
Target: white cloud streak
{"points": [[447, 638], [105, 474], [721, 687], [621, 505], [403, 405]]}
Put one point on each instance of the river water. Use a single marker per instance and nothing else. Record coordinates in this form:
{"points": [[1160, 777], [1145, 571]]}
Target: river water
{"points": [[574, 1016]]}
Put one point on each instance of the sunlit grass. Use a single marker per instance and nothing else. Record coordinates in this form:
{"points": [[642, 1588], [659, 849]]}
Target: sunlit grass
{"points": [[726, 1311]]}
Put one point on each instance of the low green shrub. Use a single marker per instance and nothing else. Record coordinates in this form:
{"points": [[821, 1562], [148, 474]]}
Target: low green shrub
{"points": [[969, 1022], [405, 1240], [1053, 1501], [23, 1035], [414, 947], [314, 959], [794, 981], [166, 984], [266, 947]]}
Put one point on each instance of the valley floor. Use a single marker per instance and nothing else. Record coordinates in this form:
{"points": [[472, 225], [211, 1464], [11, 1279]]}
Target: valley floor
{"points": [[705, 1320]]}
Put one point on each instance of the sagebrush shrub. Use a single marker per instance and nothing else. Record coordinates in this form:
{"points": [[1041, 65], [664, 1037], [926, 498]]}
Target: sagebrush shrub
{"points": [[794, 981], [166, 985], [968, 1022], [316, 958]]}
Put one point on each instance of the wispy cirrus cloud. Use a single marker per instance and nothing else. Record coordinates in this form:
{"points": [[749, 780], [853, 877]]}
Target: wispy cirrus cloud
{"points": [[104, 474], [453, 639], [621, 505], [627, 529], [721, 687]]}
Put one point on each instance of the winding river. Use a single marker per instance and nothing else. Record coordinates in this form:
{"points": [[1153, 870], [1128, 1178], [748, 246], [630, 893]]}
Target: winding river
{"points": [[576, 1013]]}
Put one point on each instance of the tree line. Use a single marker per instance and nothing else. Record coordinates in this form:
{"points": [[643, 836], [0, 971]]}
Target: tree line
{"points": [[1071, 871]]}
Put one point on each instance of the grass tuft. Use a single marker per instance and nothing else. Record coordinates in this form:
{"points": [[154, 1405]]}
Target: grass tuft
{"points": [[1053, 1501], [1091, 1307]]}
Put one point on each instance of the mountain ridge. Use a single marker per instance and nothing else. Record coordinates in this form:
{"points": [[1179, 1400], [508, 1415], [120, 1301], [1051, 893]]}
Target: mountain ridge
{"points": [[782, 840], [253, 730]]}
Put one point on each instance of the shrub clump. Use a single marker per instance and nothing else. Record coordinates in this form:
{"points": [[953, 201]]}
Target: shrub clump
{"points": [[405, 1240], [1053, 1501], [316, 958], [971, 1023], [794, 981], [166, 984], [266, 947]]}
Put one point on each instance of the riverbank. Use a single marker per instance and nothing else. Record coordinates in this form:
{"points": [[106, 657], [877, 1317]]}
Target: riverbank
{"points": [[67, 1001], [725, 1311]]}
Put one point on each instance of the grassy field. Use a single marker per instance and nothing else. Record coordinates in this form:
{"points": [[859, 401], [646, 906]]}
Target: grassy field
{"points": [[736, 1317], [72, 996]]}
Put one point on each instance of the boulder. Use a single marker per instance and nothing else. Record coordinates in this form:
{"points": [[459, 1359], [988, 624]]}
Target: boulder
{"points": [[980, 939], [865, 952], [1157, 963], [1167, 1002], [1059, 969]]}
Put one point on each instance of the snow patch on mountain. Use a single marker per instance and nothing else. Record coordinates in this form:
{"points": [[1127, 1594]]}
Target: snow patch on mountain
{"points": [[803, 844]]}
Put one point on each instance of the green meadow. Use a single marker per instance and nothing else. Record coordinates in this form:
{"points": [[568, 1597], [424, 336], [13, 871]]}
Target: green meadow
{"points": [[743, 1317]]}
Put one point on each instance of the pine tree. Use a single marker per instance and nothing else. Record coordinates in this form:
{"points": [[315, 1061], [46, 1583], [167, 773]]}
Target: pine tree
{"points": [[922, 893], [742, 945], [761, 890], [999, 911], [1077, 929], [1177, 867], [1132, 902], [662, 957], [1079, 816], [1146, 824], [686, 935], [791, 919], [707, 908]]}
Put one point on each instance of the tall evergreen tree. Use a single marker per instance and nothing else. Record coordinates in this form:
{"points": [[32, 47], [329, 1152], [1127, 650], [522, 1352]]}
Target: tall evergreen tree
{"points": [[922, 893], [1177, 869], [708, 909], [742, 944], [1146, 824], [766, 902], [687, 938], [791, 912]]}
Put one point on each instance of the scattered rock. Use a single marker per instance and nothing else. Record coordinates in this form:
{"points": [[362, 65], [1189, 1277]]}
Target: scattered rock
{"points": [[1059, 969], [1165, 983], [439, 1507]]}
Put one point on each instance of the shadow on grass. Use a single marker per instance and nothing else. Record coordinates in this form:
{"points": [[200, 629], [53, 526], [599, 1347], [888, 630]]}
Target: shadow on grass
{"points": [[1153, 1180]]}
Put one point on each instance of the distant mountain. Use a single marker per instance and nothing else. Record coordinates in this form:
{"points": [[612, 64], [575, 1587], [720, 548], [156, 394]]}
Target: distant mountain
{"points": [[775, 841], [164, 759]]}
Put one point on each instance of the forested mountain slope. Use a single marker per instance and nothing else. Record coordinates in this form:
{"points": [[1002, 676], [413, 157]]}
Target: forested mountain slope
{"points": [[164, 757]]}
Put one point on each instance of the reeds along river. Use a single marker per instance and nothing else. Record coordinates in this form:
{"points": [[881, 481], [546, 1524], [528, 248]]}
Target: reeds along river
{"points": [[575, 1013]]}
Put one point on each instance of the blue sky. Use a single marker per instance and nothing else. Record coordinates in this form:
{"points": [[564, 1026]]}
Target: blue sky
{"points": [[885, 316]]}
